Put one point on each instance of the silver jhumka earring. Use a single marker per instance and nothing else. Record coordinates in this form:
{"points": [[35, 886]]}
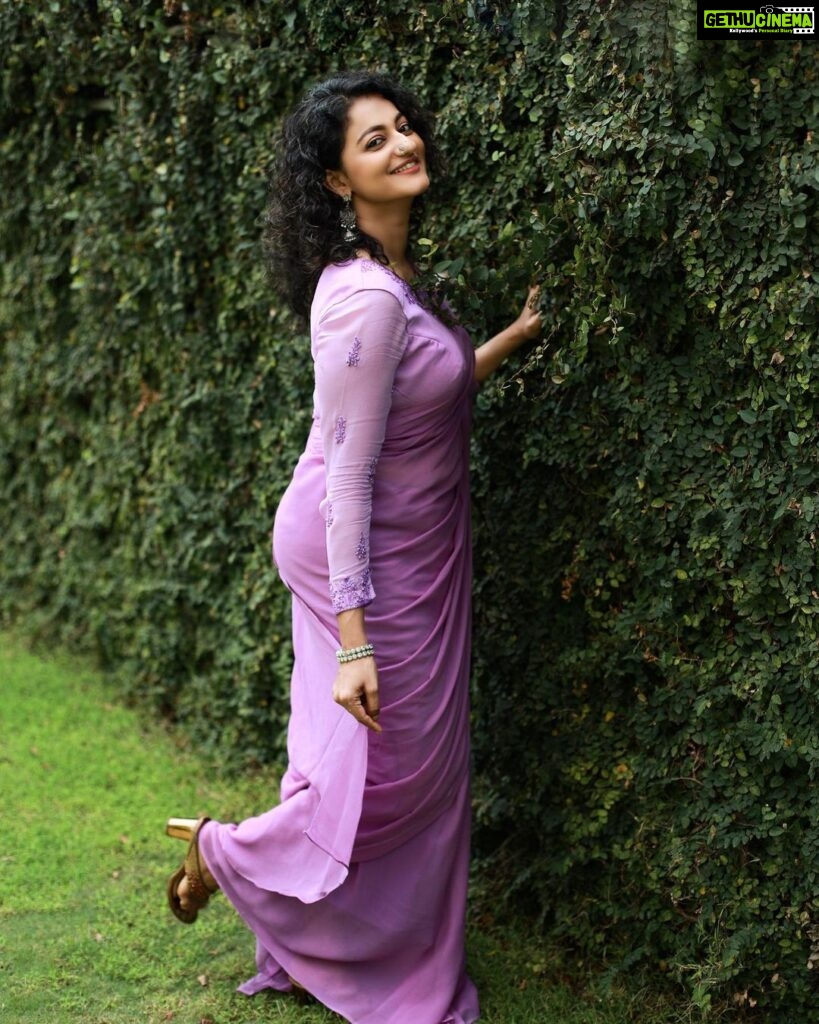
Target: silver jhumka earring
{"points": [[347, 218]]}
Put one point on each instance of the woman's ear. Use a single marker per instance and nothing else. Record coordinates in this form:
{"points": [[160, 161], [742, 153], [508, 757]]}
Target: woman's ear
{"points": [[337, 182]]}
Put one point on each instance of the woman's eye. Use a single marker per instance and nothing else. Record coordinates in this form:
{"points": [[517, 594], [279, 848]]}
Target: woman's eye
{"points": [[378, 140]]}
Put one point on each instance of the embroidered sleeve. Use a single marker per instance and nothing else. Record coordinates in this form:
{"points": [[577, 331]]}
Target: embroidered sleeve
{"points": [[358, 346]]}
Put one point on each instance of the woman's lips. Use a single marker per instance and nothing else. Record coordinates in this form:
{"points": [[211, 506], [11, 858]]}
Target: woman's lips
{"points": [[409, 167]]}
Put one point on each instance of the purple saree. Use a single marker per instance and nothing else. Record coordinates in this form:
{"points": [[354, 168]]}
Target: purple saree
{"points": [[355, 884]]}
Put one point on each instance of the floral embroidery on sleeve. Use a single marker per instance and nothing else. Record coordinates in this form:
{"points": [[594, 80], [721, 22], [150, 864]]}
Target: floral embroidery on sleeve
{"points": [[362, 552], [354, 355], [351, 591], [341, 430]]}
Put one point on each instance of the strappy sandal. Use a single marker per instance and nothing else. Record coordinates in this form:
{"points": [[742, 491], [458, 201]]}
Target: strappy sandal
{"points": [[201, 883]]}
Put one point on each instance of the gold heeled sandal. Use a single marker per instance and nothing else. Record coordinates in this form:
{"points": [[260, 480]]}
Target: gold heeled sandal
{"points": [[201, 883]]}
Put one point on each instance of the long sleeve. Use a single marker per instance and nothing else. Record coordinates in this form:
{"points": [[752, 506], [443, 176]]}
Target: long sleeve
{"points": [[359, 343]]}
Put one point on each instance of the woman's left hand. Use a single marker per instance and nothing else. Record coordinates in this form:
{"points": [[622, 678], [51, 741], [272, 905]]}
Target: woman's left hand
{"points": [[490, 355], [529, 319]]}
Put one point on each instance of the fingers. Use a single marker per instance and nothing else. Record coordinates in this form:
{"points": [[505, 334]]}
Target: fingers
{"points": [[362, 713], [531, 314], [370, 723], [370, 699], [359, 698]]}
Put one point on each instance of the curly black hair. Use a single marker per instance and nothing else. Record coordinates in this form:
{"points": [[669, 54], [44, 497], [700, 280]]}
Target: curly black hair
{"points": [[301, 227]]}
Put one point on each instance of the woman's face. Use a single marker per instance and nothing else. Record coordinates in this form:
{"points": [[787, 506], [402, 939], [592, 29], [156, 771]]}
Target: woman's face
{"points": [[382, 160]]}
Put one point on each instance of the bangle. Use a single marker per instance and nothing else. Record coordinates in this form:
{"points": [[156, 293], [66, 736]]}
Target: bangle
{"points": [[354, 653]]}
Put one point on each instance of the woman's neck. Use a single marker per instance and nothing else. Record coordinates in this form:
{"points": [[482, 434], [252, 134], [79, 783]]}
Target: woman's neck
{"points": [[390, 227]]}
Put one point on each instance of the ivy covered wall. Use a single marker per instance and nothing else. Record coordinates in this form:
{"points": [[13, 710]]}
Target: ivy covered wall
{"points": [[646, 479]]}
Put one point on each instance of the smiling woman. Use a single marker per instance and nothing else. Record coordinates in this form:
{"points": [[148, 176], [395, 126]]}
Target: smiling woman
{"points": [[381, 166], [355, 884], [327, 138]]}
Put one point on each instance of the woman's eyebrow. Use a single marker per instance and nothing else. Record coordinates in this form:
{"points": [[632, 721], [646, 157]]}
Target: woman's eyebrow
{"points": [[378, 127]]}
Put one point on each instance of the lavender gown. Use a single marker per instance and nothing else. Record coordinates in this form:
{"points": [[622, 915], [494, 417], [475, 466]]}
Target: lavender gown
{"points": [[355, 884]]}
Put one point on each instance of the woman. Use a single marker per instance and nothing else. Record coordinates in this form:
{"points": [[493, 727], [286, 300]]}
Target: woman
{"points": [[355, 884]]}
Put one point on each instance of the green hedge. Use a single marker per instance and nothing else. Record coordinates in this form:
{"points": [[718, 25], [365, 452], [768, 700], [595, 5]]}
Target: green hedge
{"points": [[645, 481]]}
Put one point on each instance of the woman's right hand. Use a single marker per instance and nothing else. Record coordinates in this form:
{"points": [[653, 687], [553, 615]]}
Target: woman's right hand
{"points": [[356, 690]]}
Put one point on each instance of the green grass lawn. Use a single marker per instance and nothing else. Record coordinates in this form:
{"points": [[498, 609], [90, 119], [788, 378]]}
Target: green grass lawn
{"points": [[85, 936]]}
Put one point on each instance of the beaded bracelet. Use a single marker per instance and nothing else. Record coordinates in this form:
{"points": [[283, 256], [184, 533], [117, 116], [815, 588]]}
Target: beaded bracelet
{"points": [[354, 653]]}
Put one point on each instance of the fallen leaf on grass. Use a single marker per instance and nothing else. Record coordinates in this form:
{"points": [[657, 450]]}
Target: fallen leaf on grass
{"points": [[203, 981]]}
